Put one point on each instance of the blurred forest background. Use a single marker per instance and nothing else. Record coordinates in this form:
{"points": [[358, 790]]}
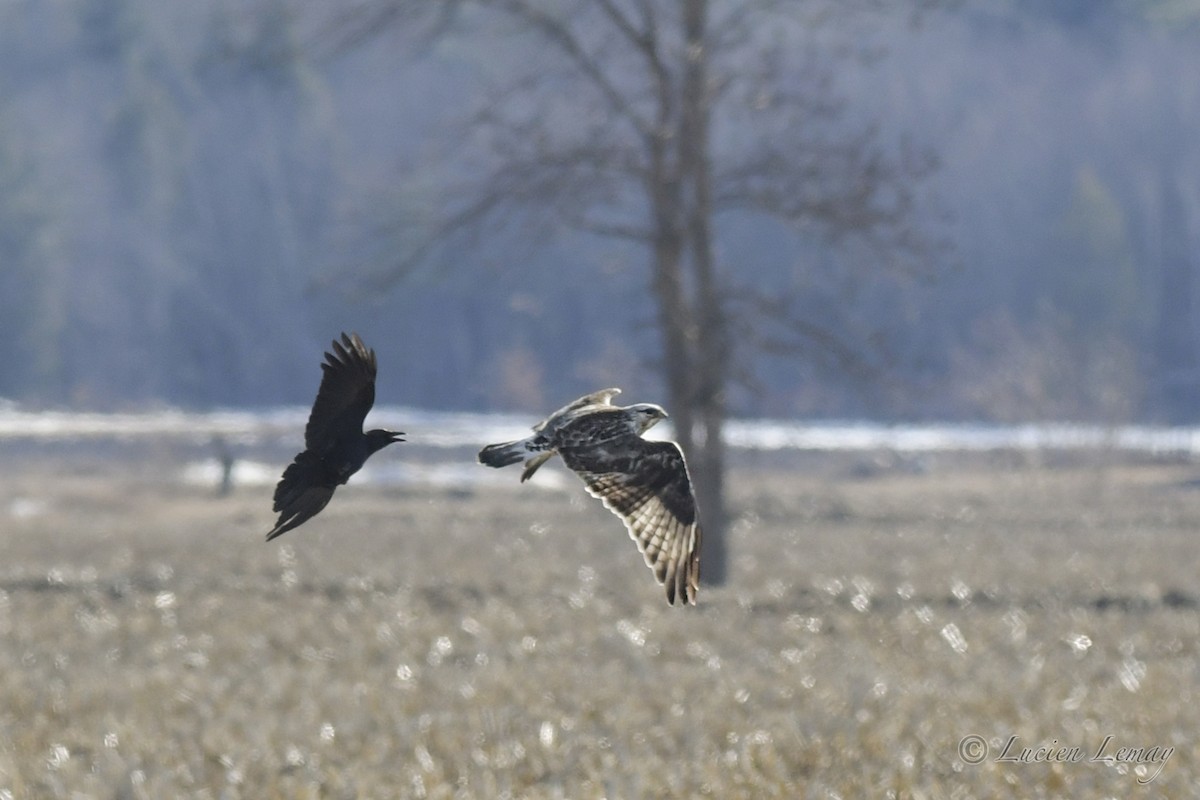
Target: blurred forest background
{"points": [[195, 197]]}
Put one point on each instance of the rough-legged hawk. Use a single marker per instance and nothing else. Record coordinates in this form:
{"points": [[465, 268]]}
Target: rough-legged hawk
{"points": [[644, 482]]}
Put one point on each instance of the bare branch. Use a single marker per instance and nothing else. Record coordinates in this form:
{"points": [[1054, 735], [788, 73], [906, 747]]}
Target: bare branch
{"points": [[637, 38], [425, 23], [798, 332], [850, 188], [560, 34], [629, 233], [645, 39]]}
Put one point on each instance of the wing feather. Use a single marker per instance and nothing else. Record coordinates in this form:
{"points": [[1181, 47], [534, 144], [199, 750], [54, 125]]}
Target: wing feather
{"points": [[601, 398], [300, 494], [647, 485], [346, 394]]}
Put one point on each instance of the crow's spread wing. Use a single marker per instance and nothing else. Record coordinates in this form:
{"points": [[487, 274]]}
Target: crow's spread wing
{"points": [[646, 484], [346, 395]]}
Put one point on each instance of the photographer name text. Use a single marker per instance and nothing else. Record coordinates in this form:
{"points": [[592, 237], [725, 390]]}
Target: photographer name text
{"points": [[974, 749]]}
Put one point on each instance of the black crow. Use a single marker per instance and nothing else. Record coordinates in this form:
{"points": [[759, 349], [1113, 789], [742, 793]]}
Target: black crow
{"points": [[335, 445]]}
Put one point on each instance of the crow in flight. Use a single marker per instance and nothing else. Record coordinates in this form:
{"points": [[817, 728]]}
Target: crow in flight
{"points": [[334, 442], [644, 483]]}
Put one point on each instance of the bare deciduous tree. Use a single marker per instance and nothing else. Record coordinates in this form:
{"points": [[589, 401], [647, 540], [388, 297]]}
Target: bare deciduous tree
{"points": [[646, 121]]}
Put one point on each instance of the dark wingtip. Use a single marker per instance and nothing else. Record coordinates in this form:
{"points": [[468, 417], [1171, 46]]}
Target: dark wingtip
{"points": [[350, 343], [686, 595]]}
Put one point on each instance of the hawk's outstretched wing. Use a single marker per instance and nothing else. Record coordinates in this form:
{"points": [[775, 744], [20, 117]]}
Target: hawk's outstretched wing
{"points": [[646, 484], [601, 398], [346, 395]]}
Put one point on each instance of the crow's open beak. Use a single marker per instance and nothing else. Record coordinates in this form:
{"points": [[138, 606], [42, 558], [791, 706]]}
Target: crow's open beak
{"points": [[397, 436]]}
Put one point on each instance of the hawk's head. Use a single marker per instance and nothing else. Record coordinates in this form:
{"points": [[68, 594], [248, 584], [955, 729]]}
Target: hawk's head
{"points": [[646, 414]]}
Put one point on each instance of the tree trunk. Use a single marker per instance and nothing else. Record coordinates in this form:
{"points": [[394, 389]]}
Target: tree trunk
{"points": [[709, 362]]}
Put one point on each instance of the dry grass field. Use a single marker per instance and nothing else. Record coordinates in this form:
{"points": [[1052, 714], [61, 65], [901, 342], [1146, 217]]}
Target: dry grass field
{"points": [[508, 642]]}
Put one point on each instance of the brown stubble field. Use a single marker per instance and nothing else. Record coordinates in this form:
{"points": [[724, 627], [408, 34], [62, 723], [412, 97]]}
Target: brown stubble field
{"points": [[509, 643]]}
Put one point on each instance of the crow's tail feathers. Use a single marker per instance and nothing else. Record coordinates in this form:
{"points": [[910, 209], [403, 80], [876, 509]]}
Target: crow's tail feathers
{"points": [[302, 508], [303, 472], [300, 494]]}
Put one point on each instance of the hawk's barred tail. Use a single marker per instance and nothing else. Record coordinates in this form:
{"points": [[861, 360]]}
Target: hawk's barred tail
{"points": [[501, 455]]}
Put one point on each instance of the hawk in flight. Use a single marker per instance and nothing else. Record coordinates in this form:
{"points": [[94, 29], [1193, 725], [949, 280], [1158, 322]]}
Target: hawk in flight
{"points": [[335, 445], [643, 482]]}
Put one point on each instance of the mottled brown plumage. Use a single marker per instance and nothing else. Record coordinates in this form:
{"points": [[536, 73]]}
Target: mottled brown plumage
{"points": [[644, 483]]}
